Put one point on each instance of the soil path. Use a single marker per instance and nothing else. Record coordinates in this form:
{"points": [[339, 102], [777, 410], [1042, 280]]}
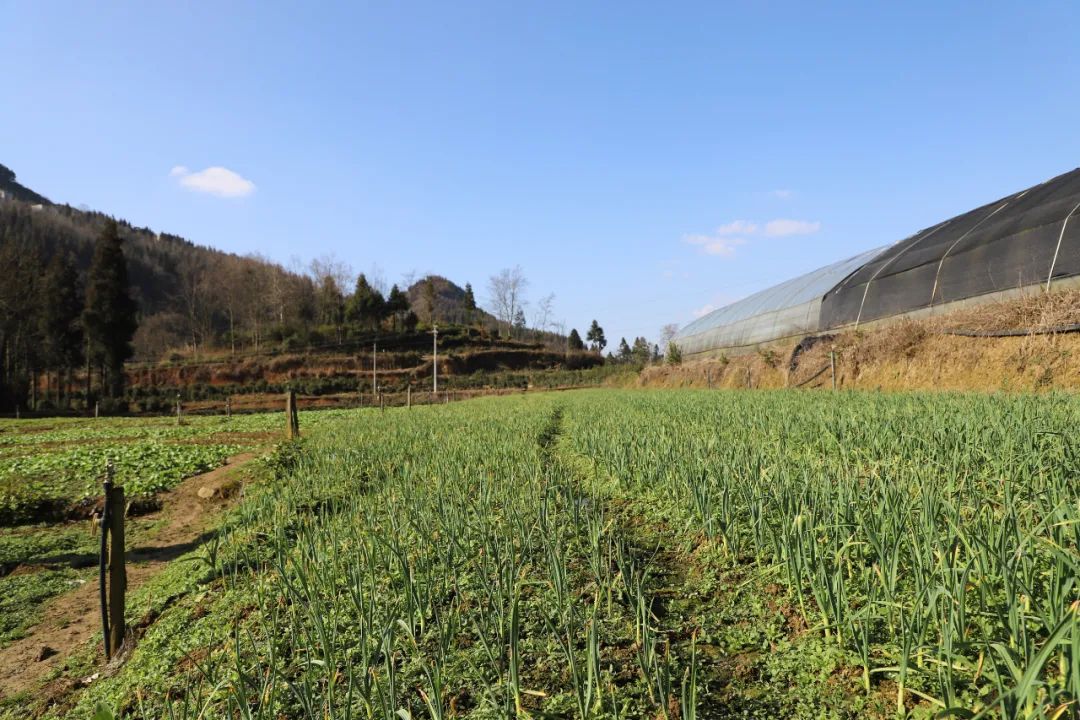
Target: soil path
{"points": [[71, 619]]}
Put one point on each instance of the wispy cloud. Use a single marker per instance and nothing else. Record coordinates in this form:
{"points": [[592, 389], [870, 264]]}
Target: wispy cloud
{"points": [[737, 227], [782, 194], [725, 239], [783, 228], [719, 243], [216, 180], [704, 310]]}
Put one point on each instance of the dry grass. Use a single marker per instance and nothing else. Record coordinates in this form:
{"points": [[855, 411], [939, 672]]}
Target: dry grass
{"points": [[915, 354], [1037, 311]]}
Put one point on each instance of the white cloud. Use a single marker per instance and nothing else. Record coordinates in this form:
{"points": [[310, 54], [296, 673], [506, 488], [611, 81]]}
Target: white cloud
{"points": [[783, 228], [717, 243], [704, 310], [737, 227], [219, 181], [726, 238], [782, 194]]}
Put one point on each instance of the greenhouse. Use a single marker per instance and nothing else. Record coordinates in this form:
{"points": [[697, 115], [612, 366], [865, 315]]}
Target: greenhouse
{"points": [[790, 309], [1026, 240]]}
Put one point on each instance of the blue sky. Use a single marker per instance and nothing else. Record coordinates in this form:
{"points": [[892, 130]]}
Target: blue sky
{"points": [[641, 161]]}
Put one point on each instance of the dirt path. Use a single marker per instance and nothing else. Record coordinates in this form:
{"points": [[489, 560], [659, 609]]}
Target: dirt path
{"points": [[71, 619]]}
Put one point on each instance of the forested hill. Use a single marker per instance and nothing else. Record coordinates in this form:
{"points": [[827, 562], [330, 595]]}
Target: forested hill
{"points": [[11, 189], [195, 296]]}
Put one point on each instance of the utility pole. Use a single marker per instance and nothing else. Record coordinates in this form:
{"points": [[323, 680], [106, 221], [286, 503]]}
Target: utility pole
{"points": [[435, 356]]}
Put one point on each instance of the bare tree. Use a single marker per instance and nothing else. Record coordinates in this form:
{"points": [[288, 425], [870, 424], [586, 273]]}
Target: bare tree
{"points": [[507, 290], [329, 266], [377, 279], [544, 310], [331, 277], [668, 333]]}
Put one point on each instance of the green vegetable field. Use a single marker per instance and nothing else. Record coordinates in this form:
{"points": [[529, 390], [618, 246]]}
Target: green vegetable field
{"points": [[631, 554]]}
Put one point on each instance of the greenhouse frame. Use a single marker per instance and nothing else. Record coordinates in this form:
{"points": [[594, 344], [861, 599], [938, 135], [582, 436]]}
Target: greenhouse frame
{"points": [[1030, 239]]}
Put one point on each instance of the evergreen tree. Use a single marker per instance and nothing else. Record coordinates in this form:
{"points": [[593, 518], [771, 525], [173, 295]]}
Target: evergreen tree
{"points": [[674, 354], [469, 303], [366, 306], [110, 315], [596, 337], [19, 325], [61, 310], [519, 322], [429, 299], [574, 340], [624, 350], [642, 351], [397, 306]]}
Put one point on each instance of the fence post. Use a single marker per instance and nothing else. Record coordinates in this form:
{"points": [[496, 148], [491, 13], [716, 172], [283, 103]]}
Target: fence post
{"points": [[382, 402], [408, 396], [292, 418], [117, 569], [97, 408], [178, 411], [228, 406], [832, 366]]}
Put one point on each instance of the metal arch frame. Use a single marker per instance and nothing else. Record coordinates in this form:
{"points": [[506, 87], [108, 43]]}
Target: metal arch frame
{"points": [[1057, 248]]}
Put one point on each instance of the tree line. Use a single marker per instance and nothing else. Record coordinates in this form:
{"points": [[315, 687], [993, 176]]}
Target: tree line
{"points": [[83, 292], [52, 322]]}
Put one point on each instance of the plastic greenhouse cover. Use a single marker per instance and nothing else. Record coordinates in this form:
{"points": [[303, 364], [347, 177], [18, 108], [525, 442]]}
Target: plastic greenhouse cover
{"points": [[791, 293], [1029, 238]]}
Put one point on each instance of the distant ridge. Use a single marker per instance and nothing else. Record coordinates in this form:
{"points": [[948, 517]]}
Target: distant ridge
{"points": [[13, 190]]}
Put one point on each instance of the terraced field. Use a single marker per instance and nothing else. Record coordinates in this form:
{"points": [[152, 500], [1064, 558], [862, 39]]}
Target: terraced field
{"points": [[631, 554]]}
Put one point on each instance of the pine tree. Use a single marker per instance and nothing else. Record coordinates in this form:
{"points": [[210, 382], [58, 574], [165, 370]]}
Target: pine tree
{"points": [[519, 322], [624, 350], [397, 306], [674, 354], [429, 299], [61, 307], [366, 306], [469, 303], [574, 340], [642, 351], [110, 315], [596, 337]]}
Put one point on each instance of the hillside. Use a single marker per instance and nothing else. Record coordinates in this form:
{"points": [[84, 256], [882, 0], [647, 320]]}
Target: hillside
{"points": [[9, 188], [197, 303], [1027, 344]]}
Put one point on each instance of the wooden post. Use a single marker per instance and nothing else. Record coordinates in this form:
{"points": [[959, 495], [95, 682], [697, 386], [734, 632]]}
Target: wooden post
{"points": [[97, 408], [112, 573], [408, 396], [382, 402], [178, 410], [832, 366], [292, 418], [117, 569], [228, 406]]}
